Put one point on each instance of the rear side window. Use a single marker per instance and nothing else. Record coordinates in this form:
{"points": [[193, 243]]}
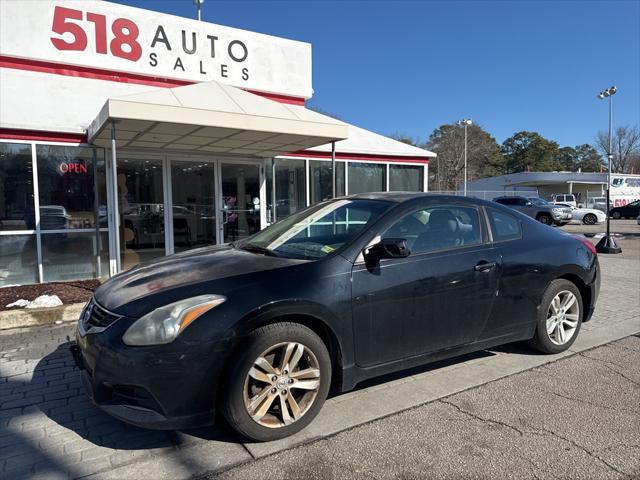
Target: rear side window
{"points": [[504, 226], [507, 201]]}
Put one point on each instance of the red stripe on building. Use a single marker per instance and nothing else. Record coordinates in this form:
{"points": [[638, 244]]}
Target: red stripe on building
{"points": [[41, 136], [359, 156], [121, 77]]}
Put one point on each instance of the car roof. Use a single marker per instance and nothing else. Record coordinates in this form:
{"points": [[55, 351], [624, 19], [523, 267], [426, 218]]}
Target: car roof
{"points": [[406, 197]]}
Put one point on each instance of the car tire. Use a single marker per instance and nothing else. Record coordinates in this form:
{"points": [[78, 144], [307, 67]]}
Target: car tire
{"points": [[590, 219], [557, 325], [544, 218], [241, 403], [616, 215]]}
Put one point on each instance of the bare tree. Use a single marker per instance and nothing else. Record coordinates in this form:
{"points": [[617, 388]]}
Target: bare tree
{"points": [[447, 141], [625, 147], [406, 138]]}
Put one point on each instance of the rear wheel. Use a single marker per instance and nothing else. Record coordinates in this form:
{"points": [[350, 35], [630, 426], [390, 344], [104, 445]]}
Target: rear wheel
{"points": [[277, 383], [544, 218], [616, 215], [590, 219], [559, 317]]}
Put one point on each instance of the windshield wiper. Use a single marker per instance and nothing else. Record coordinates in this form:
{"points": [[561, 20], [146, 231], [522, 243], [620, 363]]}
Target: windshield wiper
{"points": [[257, 249]]}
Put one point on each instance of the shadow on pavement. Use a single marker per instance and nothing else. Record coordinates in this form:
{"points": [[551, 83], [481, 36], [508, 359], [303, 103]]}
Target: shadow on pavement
{"points": [[32, 444], [422, 369]]}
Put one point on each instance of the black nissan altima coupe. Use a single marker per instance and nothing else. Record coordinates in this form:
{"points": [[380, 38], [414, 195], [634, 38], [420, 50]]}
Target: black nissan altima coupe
{"points": [[348, 289]]}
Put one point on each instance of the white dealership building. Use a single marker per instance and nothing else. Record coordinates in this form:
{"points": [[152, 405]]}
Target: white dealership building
{"points": [[128, 134]]}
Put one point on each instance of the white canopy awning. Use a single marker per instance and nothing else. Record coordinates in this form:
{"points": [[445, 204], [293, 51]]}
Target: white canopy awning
{"points": [[212, 117]]}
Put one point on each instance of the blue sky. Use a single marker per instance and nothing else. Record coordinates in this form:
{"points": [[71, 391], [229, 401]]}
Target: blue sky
{"points": [[411, 66]]}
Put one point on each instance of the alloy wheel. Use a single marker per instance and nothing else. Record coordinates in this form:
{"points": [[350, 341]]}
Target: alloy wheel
{"points": [[590, 219], [563, 316], [282, 385]]}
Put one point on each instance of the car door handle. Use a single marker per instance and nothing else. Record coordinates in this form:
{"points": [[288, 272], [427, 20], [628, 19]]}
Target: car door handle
{"points": [[484, 266]]}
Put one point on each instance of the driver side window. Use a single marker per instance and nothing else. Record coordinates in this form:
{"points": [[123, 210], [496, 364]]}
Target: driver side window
{"points": [[438, 228]]}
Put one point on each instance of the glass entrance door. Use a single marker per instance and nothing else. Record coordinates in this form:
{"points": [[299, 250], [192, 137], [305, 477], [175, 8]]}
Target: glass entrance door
{"points": [[193, 201], [240, 208]]}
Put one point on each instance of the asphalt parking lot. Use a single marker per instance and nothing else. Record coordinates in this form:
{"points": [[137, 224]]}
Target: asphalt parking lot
{"points": [[519, 413], [574, 418]]}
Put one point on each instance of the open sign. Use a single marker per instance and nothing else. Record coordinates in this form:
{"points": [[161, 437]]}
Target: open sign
{"points": [[65, 167]]}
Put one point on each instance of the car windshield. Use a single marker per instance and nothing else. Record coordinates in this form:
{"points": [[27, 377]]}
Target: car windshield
{"points": [[316, 231], [538, 201]]}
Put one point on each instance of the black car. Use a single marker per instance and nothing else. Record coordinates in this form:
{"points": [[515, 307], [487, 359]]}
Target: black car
{"points": [[343, 291], [630, 210]]}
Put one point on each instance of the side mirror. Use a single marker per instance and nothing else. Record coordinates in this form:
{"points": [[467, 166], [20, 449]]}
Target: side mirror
{"points": [[388, 248]]}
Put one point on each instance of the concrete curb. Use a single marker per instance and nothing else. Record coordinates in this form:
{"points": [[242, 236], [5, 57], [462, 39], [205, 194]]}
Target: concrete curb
{"points": [[40, 316]]}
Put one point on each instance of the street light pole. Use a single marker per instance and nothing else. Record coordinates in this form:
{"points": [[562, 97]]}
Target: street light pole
{"points": [[466, 122], [198, 4], [607, 244]]}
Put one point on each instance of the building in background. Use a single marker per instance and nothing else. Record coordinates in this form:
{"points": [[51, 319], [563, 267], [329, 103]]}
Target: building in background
{"points": [[212, 138], [589, 189]]}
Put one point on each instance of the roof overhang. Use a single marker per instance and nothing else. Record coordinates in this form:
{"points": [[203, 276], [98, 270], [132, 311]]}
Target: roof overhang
{"points": [[212, 117], [540, 183]]}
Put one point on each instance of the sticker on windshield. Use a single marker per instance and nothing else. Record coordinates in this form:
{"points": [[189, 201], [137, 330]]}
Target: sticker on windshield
{"points": [[327, 249]]}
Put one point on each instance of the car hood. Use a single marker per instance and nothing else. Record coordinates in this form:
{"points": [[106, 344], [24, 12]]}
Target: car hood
{"points": [[169, 279]]}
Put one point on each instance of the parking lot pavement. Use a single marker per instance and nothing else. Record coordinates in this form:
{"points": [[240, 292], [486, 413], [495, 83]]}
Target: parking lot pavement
{"points": [[619, 227], [48, 429], [574, 418]]}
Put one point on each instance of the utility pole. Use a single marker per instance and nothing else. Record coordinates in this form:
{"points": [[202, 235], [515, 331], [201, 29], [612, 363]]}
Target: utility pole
{"points": [[465, 122]]}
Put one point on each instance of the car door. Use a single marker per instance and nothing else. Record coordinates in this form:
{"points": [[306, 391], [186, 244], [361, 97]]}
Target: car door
{"points": [[438, 297], [631, 210], [527, 207]]}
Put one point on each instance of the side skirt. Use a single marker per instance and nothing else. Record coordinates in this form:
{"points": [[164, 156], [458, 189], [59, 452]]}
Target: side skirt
{"points": [[352, 375]]}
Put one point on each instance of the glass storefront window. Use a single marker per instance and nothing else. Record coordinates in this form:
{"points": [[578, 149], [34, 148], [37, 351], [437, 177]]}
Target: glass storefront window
{"points": [[18, 260], [291, 187], [194, 204], [141, 209], [16, 187], [67, 182], [406, 178], [367, 177], [321, 181], [73, 256]]}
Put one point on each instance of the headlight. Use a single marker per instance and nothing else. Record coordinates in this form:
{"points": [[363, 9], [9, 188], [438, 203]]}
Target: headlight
{"points": [[557, 211], [164, 324]]}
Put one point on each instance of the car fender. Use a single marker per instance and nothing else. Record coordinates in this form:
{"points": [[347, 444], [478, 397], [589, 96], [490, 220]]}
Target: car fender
{"points": [[309, 313]]}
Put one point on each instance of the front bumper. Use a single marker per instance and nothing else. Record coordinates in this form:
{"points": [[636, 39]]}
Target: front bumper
{"points": [[165, 387], [561, 218]]}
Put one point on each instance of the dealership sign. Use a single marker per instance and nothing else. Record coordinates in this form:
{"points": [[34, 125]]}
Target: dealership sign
{"points": [[124, 39]]}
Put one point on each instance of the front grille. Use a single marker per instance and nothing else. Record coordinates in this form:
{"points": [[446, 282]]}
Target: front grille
{"points": [[96, 319]]}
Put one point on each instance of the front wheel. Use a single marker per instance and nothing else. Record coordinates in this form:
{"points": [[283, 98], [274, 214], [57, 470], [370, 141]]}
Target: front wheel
{"points": [[277, 383], [544, 218], [616, 215], [559, 317], [590, 219]]}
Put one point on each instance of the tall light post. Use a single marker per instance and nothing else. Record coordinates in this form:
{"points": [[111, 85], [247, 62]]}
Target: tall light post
{"points": [[607, 244], [198, 4], [466, 122]]}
